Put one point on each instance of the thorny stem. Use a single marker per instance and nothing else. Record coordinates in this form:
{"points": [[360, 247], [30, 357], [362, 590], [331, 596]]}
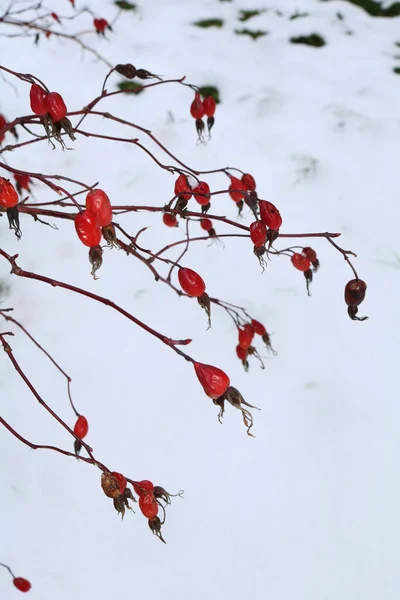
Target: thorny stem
{"points": [[16, 270], [91, 460], [345, 254], [6, 566], [7, 348], [68, 378]]}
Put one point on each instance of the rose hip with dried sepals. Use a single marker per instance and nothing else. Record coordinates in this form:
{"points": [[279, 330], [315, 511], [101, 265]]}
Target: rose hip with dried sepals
{"points": [[206, 224], [201, 193], [182, 188], [191, 282], [37, 96], [246, 336], [101, 25], [3, 123], [270, 215], [81, 427], [258, 327], [354, 294], [300, 262], [312, 257], [9, 200], [143, 487], [215, 382], [196, 108], [148, 505], [170, 220], [98, 202], [114, 486], [258, 233], [8, 194], [55, 106], [236, 188], [249, 182], [88, 228], [209, 105], [194, 286], [241, 352], [22, 182]]}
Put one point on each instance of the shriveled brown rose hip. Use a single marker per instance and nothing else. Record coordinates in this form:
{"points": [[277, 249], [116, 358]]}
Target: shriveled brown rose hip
{"points": [[354, 292]]}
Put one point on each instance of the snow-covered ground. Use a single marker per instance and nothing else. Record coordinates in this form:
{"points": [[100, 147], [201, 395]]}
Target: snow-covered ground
{"points": [[309, 508]]}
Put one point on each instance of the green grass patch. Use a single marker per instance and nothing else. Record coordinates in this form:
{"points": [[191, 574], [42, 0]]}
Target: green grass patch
{"points": [[376, 9], [206, 23], [125, 5], [298, 15], [253, 34], [396, 70], [314, 39], [245, 15]]}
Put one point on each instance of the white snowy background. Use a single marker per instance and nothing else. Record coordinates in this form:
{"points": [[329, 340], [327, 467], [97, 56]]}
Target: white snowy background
{"points": [[309, 509]]}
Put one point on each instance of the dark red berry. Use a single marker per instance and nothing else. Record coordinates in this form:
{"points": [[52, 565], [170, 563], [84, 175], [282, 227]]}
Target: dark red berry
{"points": [[191, 282], [235, 189], [22, 584], [310, 254], [246, 336], [258, 327], [209, 105], [81, 427], [37, 96], [201, 193], [206, 224], [170, 220], [182, 185], [270, 215], [55, 106], [300, 262], [249, 182], [196, 108], [258, 233]]}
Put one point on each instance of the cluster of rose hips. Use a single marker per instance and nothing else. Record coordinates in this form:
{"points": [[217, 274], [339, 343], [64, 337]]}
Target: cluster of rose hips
{"points": [[246, 334], [47, 103], [22, 584], [114, 486], [200, 108], [93, 223], [243, 190], [304, 261], [50, 106]]}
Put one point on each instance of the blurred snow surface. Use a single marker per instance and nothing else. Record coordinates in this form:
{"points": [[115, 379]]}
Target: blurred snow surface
{"points": [[309, 509]]}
